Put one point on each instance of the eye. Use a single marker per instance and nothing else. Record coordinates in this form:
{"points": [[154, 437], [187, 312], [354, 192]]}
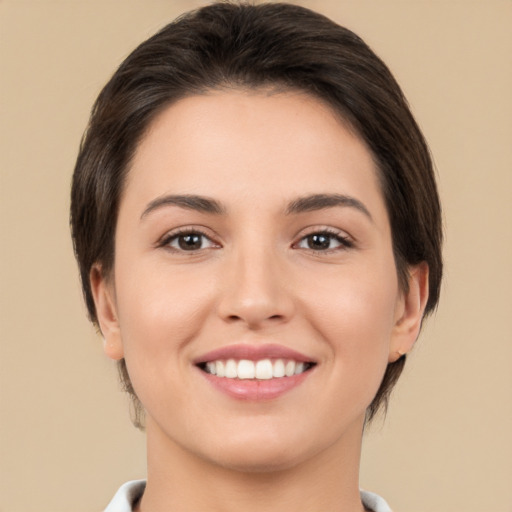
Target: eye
{"points": [[324, 241], [189, 241]]}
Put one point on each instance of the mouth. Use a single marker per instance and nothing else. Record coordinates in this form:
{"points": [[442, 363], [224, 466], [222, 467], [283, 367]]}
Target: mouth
{"points": [[262, 369], [255, 372]]}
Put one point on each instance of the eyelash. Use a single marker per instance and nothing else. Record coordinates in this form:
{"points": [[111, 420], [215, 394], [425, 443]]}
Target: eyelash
{"points": [[331, 235], [166, 241]]}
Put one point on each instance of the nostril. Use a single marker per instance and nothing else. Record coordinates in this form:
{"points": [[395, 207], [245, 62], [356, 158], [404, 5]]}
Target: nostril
{"points": [[255, 309], [247, 319]]}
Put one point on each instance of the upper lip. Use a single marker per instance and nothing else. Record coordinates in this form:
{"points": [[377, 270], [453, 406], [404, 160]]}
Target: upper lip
{"points": [[253, 353]]}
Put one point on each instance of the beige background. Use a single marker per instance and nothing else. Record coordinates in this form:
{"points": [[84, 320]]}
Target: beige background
{"points": [[66, 442]]}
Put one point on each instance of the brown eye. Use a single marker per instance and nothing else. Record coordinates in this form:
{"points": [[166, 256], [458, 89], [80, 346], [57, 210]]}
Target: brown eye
{"points": [[324, 241], [189, 241], [319, 242]]}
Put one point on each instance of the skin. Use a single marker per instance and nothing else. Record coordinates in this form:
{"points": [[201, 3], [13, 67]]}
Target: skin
{"points": [[255, 279]]}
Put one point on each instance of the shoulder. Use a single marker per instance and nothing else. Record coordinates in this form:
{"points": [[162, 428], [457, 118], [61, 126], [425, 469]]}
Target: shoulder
{"points": [[126, 497]]}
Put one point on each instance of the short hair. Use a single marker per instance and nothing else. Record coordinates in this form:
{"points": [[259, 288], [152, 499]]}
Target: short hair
{"points": [[237, 45]]}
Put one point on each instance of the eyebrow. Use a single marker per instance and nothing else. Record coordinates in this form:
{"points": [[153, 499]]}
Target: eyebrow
{"points": [[321, 201], [301, 205], [190, 202]]}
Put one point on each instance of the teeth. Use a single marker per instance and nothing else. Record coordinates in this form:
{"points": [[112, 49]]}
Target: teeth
{"points": [[289, 368], [211, 367], [221, 372], [278, 368], [263, 369], [231, 370], [246, 369]]}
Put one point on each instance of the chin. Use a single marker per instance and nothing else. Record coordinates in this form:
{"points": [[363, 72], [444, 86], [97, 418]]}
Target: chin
{"points": [[260, 461], [262, 453]]}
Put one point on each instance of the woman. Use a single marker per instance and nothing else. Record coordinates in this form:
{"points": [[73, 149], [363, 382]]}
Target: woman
{"points": [[258, 231]]}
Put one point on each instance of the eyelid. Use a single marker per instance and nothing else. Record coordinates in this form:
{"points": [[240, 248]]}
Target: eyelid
{"points": [[321, 228], [346, 240], [164, 240]]}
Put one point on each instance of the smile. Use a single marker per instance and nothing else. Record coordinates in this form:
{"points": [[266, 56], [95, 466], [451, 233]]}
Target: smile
{"points": [[263, 369], [255, 372]]}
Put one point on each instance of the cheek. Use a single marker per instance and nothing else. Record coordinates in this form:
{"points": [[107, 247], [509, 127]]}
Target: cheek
{"points": [[158, 317], [355, 317], [159, 312]]}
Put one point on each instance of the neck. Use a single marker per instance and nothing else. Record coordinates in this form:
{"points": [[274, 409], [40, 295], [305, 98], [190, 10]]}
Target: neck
{"points": [[183, 482]]}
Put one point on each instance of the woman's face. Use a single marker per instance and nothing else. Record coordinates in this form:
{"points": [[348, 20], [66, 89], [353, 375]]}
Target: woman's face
{"points": [[253, 240]]}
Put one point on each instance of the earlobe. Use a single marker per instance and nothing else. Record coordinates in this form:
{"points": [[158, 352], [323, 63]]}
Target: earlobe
{"points": [[106, 312], [408, 323]]}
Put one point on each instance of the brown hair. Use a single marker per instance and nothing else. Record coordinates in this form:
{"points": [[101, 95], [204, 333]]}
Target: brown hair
{"points": [[252, 46]]}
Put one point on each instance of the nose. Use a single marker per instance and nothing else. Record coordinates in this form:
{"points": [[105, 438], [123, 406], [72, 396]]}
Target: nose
{"points": [[255, 291]]}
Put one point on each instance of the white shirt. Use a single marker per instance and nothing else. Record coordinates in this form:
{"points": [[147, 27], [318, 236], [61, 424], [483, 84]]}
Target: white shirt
{"points": [[130, 492]]}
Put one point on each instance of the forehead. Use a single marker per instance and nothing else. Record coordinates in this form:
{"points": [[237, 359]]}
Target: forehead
{"points": [[243, 144]]}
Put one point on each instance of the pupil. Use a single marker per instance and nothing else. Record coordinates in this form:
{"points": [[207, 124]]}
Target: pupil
{"points": [[319, 242], [190, 242]]}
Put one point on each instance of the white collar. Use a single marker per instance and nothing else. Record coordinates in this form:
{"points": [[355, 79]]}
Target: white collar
{"points": [[130, 492]]}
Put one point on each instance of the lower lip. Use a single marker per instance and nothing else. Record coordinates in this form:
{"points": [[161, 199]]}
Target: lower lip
{"points": [[256, 390]]}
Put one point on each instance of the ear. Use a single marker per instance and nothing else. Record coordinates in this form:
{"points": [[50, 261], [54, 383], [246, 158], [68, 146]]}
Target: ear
{"points": [[106, 312], [409, 312]]}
